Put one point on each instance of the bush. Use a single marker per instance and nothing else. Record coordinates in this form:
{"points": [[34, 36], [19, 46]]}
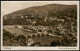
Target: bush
{"points": [[28, 36]]}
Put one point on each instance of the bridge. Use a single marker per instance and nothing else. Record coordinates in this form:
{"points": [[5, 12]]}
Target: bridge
{"points": [[32, 35]]}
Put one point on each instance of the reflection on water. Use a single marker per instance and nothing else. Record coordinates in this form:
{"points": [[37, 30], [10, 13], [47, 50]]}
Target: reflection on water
{"points": [[44, 40]]}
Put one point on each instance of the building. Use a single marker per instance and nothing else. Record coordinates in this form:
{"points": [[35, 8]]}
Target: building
{"points": [[60, 20], [9, 26], [19, 26]]}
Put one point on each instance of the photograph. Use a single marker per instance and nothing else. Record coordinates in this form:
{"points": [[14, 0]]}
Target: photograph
{"points": [[39, 23]]}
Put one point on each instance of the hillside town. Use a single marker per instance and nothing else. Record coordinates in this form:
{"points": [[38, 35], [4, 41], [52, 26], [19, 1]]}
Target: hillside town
{"points": [[36, 27], [58, 31]]}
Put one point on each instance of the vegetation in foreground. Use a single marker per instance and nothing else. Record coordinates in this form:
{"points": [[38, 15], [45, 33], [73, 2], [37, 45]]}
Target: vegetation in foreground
{"points": [[20, 40]]}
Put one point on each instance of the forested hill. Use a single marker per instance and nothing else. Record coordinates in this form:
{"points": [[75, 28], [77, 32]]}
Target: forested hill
{"points": [[40, 13]]}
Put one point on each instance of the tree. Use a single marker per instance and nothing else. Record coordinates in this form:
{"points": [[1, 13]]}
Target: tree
{"points": [[53, 43], [28, 36], [7, 34]]}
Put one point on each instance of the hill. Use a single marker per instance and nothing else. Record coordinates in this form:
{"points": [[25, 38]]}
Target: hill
{"points": [[40, 13]]}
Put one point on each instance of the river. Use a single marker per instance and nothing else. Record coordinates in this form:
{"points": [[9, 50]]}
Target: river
{"points": [[43, 40]]}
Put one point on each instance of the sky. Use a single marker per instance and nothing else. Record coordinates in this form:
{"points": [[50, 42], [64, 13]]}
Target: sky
{"points": [[11, 6]]}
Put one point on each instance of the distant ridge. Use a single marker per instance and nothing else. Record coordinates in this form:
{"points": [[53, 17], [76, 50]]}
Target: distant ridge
{"points": [[40, 9]]}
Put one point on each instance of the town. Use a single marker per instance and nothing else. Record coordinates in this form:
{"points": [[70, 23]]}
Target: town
{"points": [[59, 31], [37, 27]]}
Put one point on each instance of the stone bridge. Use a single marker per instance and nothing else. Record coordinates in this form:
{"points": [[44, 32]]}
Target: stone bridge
{"points": [[35, 35], [41, 34]]}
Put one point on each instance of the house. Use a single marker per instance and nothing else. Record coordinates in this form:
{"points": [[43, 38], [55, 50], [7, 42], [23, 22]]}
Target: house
{"points": [[33, 22], [22, 17], [19, 26], [45, 19], [59, 26], [60, 19]]}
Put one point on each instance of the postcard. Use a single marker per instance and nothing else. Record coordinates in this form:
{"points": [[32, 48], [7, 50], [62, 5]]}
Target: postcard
{"points": [[39, 25]]}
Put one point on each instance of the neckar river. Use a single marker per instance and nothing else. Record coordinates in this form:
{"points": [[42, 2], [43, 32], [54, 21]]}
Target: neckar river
{"points": [[43, 40]]}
